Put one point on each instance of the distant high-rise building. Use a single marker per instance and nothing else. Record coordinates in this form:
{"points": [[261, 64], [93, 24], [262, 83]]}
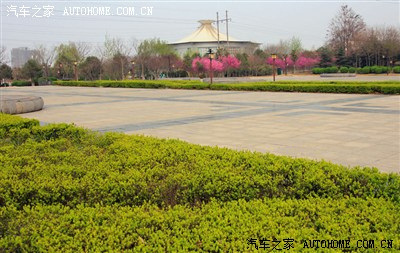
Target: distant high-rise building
{"points": [[19, 56]]}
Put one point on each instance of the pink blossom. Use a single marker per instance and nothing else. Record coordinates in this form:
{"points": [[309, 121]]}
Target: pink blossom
{"points": [[230, 62], [203, 65], [280, 63], [304, 62]]}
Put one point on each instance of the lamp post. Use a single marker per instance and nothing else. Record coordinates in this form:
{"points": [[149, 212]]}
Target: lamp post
{"points": [[273, 65], [211, 57], [59, 71], [133, 69], [44, 71], [76, 70]]}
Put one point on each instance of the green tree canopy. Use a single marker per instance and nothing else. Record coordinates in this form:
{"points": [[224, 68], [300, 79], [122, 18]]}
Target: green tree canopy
{"points": [[5, 72], [32, 70]]}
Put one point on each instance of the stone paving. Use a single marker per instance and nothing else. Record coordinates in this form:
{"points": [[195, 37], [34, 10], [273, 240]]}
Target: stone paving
{"points": [[348, 129]]}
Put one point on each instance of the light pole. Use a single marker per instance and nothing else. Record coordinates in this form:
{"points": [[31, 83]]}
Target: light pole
{"points": [[59, 70], [273, 65], [45, 71], [76, 70], [211, 57], [133, 69]]}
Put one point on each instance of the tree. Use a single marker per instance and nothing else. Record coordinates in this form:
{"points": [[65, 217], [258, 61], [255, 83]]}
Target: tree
{"points": [[244, 63], [343, 29], [295, 50], [188, 59], [325, 57], [67, 55], [201, 65], [256, 62], [3, 56], [45, 56], [230, 63], [90, 69], [155, 56], [377, 46], [32, 70], [282, 50], [390, 40], [304, 62], [116, 52], [5, 72]]}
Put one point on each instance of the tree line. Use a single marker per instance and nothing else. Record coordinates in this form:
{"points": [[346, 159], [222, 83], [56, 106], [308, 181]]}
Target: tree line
{"points": [[349, 43]]}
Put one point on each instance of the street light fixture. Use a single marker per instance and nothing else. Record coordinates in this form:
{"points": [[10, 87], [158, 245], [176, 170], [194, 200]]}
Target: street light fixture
{"points": [[273, 65], [76, 70], [133, 69], [59, 70], [211, 56]]}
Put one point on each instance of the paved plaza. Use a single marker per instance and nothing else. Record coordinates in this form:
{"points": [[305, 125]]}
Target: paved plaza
{"points": [[346, 129]]}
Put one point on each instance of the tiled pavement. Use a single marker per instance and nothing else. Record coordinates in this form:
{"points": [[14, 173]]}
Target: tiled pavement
{"points": [[346, 129]]}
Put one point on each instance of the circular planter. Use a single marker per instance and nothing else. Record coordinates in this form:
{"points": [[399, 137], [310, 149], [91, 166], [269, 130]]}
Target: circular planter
{"points": [[19, 104]]}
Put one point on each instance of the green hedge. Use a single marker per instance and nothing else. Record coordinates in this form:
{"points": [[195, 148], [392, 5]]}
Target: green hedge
{"points": [[374, 70], [214, 227], [64, 188], [388, 87], [364, 70], [315, 87], [154, 84], [63, 164], [21, 83]]}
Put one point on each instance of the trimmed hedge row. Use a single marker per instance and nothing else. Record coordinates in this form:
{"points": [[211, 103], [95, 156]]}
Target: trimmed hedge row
{"points": [[8, 122], [153, 84], [64, 188], [389, 87], [21, 83], [63, 164], [316, 87], [213, 227], [363, 70]]}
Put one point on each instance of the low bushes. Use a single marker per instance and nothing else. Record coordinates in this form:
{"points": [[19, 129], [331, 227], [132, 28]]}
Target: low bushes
{"points": [[396, 69], [215, 227], [21, 83], [364, 70], [390, 87], [154, 84], [64, 188], [315, 87]]}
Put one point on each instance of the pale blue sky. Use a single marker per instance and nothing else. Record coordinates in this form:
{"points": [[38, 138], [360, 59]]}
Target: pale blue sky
{"points": [[265, 22]]}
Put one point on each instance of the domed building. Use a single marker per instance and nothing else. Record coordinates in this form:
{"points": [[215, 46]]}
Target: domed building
{"points": [[207, 36]]}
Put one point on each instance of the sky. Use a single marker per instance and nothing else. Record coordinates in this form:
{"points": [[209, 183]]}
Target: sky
{"points": [[33, 23]]}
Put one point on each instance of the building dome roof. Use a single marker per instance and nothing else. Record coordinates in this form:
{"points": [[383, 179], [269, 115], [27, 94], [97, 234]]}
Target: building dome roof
{"points": [[205, 33]]}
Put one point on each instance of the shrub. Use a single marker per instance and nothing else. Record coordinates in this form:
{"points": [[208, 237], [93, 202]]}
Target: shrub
{"points": [[333, 69], [365, 70], [396, 69], [66, 189], [352, 70], [391, 87], [56, 164], [317, 70], [344, 70], [21, 83]]}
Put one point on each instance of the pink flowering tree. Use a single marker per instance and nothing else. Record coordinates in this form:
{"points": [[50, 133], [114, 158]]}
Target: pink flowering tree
{"points": [[202, 65], [230, 62], [306, 62], [284, 63]]}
